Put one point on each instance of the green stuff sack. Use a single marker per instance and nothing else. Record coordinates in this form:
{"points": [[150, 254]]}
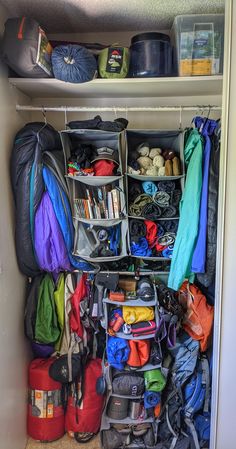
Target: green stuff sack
{"points": [[154, 380], [113, 62], [47, 329]]}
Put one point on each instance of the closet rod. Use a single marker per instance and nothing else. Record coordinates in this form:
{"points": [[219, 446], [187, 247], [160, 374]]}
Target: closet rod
{"points": [[116, 109]]}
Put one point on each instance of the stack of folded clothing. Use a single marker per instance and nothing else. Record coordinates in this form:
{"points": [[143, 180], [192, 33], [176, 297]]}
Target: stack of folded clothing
{"points": [[151, 239], [153, 200]]}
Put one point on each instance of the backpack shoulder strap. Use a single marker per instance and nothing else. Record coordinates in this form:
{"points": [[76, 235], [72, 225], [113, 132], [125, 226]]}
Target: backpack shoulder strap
{"points": [[206, 382], [191, 426]]}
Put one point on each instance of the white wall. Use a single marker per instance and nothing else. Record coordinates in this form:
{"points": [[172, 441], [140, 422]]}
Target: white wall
{"points": [[13, 348], [226, 432]]}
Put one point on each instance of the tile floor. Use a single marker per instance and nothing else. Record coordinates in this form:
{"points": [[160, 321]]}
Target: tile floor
{"points": [[64, 443]]}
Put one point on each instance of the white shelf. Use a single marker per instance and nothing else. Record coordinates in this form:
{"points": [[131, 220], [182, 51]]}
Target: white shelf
{"points": [[118, 88]]}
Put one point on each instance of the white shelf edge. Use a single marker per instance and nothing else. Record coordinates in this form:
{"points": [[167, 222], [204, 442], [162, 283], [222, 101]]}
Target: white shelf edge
{"points": [[118, 88]]}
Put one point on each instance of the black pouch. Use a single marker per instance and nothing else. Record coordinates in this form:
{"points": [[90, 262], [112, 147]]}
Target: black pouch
{"points": [[60, 372]]}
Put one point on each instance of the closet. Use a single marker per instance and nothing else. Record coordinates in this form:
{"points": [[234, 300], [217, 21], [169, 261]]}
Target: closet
{"points": [[148, 104]]}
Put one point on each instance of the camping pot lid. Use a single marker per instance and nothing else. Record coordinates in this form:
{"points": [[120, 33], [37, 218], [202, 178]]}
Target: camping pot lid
{"points": [[149, 37]]}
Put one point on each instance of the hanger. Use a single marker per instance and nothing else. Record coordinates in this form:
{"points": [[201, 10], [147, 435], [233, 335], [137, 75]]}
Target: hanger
{"points": [[115, 112], [65, 110], [209, 111], [126, 112], [45, 121], [180, 117]]}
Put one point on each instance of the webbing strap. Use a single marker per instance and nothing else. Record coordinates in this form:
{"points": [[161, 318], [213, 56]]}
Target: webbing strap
{"points": [[206, 382], [169, 424], [173, 442], [193, 432]]}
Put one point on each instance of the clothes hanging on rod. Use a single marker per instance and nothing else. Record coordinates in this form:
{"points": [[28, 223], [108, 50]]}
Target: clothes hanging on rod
{"points": [[189, 212], [206, 128]]}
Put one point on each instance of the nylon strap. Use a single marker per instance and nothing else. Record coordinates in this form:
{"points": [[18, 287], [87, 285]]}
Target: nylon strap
{"points": [[193, 432], [206, 381]]}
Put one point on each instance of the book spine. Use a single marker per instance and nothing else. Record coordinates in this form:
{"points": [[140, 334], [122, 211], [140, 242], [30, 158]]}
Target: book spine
{"points": [[104, 194], [110, 205], [86, 209], [90, 203], [116, 202]]}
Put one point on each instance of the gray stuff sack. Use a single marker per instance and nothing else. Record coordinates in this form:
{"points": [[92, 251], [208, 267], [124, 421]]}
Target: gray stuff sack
{"points": [[26, 49]]}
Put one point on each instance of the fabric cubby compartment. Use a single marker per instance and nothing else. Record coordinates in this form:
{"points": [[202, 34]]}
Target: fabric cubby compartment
{"points": [[152, 154], [83, 147], [98, 203], [102, 243], [154, 240], [145, 320], [133, 436], [154, 200], [142, 296]]}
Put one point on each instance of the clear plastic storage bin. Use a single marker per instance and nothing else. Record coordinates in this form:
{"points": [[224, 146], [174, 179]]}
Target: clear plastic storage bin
{"points": [[198, 42]]}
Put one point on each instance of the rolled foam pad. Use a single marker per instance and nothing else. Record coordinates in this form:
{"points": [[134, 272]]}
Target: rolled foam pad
{"points": [[73, 64]]}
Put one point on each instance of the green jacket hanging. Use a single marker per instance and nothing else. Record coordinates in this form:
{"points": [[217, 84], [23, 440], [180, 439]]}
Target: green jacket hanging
{"points": [[47, 329], [189, 213]]}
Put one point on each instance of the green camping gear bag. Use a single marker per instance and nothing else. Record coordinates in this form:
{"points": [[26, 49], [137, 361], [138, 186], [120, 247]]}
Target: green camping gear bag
{"points": [[113, 62]]}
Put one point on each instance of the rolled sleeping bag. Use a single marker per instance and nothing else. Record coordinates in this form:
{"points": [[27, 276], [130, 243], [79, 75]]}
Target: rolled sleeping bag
{"points": [[128, 383], [45, 418], [151, 399], [154, 380], [73, 64]]}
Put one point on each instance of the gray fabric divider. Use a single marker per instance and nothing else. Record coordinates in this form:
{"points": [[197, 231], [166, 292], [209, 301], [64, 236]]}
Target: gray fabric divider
{"points": [[94, 137], [164, 139], [84, 244]]}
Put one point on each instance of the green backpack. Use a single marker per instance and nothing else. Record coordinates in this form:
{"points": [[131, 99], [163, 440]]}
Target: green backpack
{"points": [[113, 62], [47, 329]]}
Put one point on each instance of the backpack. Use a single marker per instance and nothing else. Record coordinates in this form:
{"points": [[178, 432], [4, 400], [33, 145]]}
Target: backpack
{"points": [[172, 429], [196, 398], [198, 319]]}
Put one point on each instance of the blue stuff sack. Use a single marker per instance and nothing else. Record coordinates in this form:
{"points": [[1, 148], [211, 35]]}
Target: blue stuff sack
{"points": [[73, 64]]}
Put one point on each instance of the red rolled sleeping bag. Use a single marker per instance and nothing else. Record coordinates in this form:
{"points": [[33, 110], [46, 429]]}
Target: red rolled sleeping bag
{"points": [[45, 419], [87, 417]]}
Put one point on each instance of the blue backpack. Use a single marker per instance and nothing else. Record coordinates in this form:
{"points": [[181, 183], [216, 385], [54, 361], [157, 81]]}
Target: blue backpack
{"points": [[196, 396], [185, 418]]}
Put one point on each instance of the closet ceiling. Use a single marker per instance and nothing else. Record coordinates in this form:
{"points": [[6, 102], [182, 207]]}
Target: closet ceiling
{"points": [[75, 16]]}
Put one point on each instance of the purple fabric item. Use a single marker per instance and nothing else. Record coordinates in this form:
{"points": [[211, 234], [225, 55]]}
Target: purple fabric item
{"points": [[40, 350], [206, 127], [49, 244]]}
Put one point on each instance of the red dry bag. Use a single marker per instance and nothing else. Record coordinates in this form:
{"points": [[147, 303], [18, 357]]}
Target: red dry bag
{"points": [[86, 418], [45, 420]]}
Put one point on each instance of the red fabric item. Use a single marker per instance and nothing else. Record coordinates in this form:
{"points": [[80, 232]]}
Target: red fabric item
{"points": [[151, 232], [139, 353], [160, 247], [51, 427], [89, 414], [104, 168], [198, 318], [78, 295]]}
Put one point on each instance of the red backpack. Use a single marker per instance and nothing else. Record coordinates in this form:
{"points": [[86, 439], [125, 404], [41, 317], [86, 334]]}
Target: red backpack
{"points": [[83, 421]]}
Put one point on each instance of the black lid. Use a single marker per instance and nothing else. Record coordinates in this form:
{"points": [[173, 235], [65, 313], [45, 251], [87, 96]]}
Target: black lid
{"points": [[150, 36]]}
